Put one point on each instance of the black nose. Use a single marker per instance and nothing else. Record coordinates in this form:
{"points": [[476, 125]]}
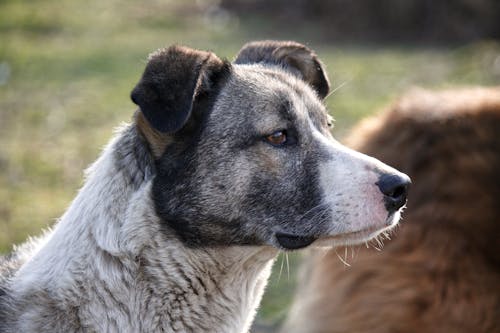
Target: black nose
{"points": [[395, 189]]}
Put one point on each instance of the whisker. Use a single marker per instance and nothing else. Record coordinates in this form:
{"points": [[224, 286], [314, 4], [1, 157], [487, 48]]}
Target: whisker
{"points": [[336, 89], [356, 251], [380, 240], [281, 267], [377, 244], [287, 266], [342, 260], [324, 252], [320, 217], [321, 207]]}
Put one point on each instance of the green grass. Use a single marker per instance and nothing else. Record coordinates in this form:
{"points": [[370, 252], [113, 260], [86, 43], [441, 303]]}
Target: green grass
{"points": [[67, 68]]}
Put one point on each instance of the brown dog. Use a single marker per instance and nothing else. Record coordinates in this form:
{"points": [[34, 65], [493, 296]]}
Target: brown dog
{"points": [[441, 273]]}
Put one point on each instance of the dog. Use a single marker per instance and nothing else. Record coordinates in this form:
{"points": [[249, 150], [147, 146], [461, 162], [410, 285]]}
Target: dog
{"points": [[442, 271], [181, 217]]}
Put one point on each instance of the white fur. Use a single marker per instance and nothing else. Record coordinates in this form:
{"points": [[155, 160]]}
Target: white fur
{"points": [[348, 180], [89, 261]]}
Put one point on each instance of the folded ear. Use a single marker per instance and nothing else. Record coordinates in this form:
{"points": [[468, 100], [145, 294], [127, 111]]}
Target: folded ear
{"points": [[296, 57], [173, 79]]}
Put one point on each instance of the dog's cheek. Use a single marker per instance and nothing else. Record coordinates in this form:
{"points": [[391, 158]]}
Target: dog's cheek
{"points": [[281, 198]]}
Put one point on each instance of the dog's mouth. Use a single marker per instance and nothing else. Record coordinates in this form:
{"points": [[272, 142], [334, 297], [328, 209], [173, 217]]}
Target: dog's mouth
{"points": [[294, 242], [289, 241], [357, 237]]}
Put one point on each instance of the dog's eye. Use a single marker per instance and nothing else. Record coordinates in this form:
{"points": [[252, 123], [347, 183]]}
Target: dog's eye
{"points": [[278, 138]]}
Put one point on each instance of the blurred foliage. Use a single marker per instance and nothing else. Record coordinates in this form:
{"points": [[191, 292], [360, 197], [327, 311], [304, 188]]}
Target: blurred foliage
{"points": [[387, 20], [67, 68]]}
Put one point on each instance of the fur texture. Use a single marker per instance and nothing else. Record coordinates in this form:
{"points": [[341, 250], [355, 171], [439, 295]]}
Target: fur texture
{"points": [[441, 273], [180, 219], [108, 267]]}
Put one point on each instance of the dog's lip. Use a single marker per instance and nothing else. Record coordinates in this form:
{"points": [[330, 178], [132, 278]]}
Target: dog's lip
{"points": [[352, 238], [370, 231], [356, 234], [291, 241], [294, 242]]}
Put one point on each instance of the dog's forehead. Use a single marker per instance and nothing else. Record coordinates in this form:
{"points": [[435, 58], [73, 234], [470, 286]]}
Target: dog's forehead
{"points": [[259, 91]]}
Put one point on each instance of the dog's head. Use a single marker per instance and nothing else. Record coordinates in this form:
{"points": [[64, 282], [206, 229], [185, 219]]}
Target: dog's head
{"points": [[244, 154]]}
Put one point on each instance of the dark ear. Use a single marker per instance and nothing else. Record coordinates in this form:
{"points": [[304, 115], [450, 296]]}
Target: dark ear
{"points": [[171, 82], [294, 56]]}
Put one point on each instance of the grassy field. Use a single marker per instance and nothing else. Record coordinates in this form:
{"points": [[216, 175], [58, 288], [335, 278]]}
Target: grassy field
{"points": [[67, 68]]}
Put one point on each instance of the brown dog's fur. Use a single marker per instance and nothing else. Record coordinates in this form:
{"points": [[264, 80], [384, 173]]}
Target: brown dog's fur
{"points": [[441, 272]]}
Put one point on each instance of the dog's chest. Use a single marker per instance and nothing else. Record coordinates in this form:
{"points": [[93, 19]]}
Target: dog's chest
{"points": [[181, 292], [206, 303]]}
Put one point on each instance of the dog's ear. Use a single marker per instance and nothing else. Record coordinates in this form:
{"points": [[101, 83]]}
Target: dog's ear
{"points": [[172, 81], [294, 56]]}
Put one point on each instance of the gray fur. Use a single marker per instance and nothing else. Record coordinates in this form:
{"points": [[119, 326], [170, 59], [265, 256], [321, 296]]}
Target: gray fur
{"points": [[180, 219]]}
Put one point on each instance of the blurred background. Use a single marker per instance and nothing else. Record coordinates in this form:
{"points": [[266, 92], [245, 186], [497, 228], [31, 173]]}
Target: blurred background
{"points": [[67, 68]]}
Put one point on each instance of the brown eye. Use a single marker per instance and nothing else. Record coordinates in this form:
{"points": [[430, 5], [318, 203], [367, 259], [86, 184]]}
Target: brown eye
{"points": [[277, 138]]}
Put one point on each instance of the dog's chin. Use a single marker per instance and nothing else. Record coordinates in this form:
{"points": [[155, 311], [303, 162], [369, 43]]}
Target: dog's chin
{"points": [[288, 241], [360, 236]]}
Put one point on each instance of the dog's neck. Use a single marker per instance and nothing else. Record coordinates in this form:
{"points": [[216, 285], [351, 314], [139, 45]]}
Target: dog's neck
{"points": [[111, 266]]}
